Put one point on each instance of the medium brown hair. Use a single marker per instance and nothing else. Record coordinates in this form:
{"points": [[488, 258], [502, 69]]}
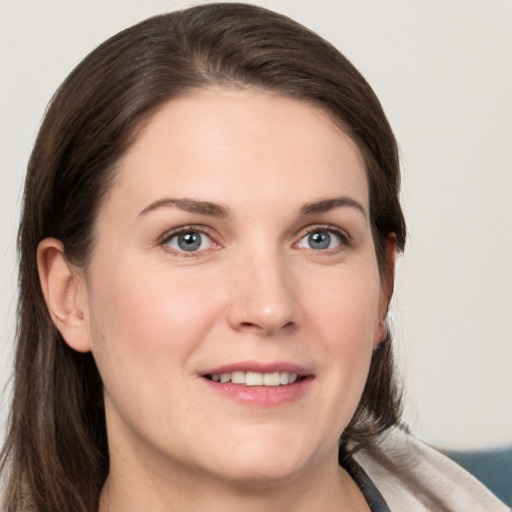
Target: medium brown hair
{"points": [[56, 452]]}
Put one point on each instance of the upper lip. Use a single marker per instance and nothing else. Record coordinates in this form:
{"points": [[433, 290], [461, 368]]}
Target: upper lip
{"points": [[256, 366]]}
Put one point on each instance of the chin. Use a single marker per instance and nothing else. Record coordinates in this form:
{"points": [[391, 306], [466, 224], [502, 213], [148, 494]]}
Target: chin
{"points": [[263, 460], [256, 473]]}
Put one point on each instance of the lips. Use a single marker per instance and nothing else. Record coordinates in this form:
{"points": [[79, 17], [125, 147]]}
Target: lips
{"points": [[260, 384]]}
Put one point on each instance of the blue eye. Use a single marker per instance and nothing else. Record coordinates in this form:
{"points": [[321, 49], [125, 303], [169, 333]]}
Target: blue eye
{"points": [[189, 241], [320, 240]]}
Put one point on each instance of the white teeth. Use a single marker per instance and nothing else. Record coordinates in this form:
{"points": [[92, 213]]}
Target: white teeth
{"points": [[238, 377], [256, 378], [253, 379], [271, 379]]}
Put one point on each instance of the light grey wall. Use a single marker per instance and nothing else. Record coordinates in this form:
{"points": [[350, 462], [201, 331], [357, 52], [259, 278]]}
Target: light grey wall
{"points": [[443, 71]]}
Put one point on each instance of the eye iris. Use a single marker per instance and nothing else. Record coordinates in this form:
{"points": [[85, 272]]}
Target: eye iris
{"points": [[319, 240], [189, 241]]}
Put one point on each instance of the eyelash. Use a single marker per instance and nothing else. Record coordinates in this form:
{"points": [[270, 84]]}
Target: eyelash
{"points": [[167, 237], [344, 237]]}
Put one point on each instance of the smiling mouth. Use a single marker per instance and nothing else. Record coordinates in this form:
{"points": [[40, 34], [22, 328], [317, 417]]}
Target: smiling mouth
{"points": [[242, 378]]}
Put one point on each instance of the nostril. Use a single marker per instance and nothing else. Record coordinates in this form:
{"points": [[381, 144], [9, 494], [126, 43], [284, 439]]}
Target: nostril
{"points": [[266, 328]]}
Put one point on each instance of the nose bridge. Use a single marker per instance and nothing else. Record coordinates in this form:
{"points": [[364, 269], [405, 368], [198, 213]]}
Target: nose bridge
{"points": [[263, 291]]}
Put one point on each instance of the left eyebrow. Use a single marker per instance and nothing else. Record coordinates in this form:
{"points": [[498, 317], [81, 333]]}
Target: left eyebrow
{"points": [[329, 204]]}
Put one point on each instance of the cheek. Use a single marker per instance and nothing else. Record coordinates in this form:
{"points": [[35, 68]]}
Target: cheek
{"points": [[139, 314], [145, 324], [346, 305], [346, 321]]}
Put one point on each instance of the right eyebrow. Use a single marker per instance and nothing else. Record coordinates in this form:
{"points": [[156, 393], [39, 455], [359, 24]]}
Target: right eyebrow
{"points": [[188, 205]]}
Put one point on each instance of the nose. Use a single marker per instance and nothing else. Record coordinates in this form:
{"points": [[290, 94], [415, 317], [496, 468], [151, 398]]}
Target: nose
{"points": [[263, 295]]}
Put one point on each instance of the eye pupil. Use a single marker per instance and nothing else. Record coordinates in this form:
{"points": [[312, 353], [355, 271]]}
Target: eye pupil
{"points": [[319, 240], [189, 241]]}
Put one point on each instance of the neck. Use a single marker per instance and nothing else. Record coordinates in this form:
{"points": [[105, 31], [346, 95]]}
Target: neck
{"points": [[143, 479], [325, 487]]}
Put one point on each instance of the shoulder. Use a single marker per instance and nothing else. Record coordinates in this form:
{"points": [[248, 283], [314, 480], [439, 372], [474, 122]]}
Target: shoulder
{"points": [[414, 477]]}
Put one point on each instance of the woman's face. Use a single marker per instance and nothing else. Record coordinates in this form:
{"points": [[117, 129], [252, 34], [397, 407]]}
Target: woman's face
{"points": [[233, 298]]}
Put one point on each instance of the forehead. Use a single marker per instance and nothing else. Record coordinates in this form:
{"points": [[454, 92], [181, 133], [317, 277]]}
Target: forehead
{"points": [[213, 139]]}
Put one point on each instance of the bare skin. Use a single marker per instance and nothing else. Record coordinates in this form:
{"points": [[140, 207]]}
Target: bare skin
{"points": [[337, 493], [235, 239]]}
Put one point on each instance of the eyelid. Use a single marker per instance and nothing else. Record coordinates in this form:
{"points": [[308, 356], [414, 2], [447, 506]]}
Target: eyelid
{"points": [[346, 239], [189, 228]]}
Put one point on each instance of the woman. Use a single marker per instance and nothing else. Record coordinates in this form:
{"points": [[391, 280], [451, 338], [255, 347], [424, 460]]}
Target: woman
{"points": [[207, 251]]}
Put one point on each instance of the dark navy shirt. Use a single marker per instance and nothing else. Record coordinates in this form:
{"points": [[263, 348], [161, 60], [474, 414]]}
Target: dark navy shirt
{"points": [[371, 494]]}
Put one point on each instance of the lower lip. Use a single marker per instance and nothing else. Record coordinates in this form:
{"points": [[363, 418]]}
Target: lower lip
{"points": [[262, 396]]}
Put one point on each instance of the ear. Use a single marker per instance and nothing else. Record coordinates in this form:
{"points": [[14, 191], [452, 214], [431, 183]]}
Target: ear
{"points": [[386, 288], [65, 292]]}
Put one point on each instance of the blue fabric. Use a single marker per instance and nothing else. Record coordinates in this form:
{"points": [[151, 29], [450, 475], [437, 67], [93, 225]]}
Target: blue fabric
{"points": [[492, 467]]}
